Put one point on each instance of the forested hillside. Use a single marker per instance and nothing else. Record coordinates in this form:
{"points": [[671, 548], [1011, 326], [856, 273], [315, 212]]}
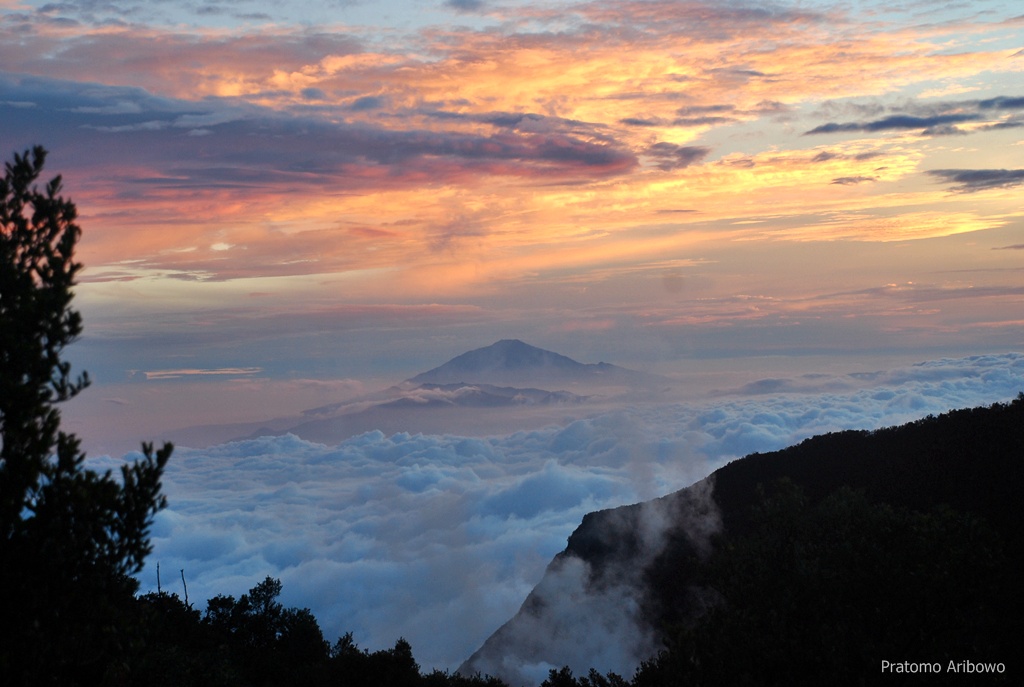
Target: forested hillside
{"points": [[828, 557]]}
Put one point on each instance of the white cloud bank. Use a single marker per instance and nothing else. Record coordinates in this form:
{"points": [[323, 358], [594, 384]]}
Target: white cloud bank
{"points": [[440, 538]]}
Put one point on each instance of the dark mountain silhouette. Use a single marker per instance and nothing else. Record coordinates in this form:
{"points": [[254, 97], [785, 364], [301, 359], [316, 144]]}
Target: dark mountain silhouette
{"points": [[512, 362], [646, 576]]}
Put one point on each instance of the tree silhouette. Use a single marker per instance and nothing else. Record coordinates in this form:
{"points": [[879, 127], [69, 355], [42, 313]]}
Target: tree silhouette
{"points": [[70, 538]]}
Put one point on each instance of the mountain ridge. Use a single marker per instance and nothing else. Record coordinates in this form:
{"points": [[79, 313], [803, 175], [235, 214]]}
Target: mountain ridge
{"points": [[627, 572]]}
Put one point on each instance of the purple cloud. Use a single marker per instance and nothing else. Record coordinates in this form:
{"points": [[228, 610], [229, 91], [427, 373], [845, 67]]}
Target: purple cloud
{"points": [[972, 180], [671, 156]]}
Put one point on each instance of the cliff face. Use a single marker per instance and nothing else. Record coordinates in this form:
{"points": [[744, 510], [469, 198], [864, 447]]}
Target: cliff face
{"points": [[594, 606], [629, 572]]}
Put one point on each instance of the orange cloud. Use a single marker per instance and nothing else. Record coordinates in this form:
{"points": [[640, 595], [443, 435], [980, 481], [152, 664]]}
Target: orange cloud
{"points": [[464, 159]]}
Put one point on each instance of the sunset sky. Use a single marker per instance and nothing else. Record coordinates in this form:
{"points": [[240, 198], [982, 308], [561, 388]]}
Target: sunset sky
{"points": [[287, 203]]}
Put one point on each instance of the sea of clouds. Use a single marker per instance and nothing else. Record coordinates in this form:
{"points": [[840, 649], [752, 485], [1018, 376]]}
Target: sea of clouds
{"points": [[439, 539]]}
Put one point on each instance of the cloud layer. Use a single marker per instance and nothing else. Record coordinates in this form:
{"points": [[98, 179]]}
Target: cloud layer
{"points": [[440, 538]]}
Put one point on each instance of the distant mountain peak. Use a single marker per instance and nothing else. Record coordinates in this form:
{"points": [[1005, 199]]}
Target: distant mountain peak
{"points": [[512, 361]]}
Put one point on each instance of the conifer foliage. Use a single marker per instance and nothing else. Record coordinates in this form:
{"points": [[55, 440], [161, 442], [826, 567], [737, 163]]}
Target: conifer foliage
{"points": [[70, 538]]}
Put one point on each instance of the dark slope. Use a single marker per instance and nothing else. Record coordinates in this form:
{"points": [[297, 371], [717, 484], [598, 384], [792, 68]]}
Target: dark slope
{"points": [[969, 460]]}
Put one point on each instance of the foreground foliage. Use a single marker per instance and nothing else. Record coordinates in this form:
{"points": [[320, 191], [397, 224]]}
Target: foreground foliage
{"points": [[254, 640], [70, 538]]}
